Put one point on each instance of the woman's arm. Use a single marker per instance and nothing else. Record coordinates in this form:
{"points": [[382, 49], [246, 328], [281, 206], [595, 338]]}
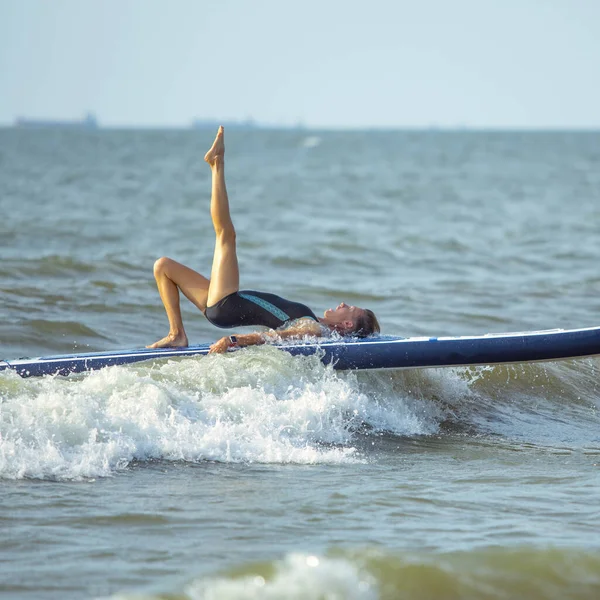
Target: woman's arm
{"points": [[300, 329]]}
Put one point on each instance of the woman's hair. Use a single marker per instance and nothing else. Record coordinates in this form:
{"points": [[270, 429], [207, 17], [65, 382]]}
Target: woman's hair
{"points": [[366, 324]]}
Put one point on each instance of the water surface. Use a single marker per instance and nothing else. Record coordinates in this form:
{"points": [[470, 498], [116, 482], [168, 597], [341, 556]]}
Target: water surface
{"points": [[262, 475]]}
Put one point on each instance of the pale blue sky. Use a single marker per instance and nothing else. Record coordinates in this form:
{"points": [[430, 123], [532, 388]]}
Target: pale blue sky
{"points": [[381, 63]]}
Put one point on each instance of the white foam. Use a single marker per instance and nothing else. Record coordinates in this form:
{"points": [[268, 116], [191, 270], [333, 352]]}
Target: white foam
{"points": [[296, 577], [260, 405]]}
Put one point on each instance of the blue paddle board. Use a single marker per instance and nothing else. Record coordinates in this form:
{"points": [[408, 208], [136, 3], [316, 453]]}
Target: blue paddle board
{"points": [[370, 353]]}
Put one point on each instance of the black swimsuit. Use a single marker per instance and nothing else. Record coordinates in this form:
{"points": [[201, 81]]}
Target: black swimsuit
{"points": [[256, 308]]}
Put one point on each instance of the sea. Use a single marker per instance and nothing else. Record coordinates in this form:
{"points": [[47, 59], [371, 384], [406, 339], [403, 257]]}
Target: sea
{"points": [[260, 475]]}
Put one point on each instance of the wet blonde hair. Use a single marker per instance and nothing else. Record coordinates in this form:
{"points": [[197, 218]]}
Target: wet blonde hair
{"points": [[366, 324]]}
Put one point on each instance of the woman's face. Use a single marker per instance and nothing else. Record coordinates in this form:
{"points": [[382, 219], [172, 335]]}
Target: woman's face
{"points": [[342, 314]]}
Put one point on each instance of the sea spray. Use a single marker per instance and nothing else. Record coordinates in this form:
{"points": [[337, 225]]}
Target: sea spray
{"points": [[262, 405], [259, 405]]}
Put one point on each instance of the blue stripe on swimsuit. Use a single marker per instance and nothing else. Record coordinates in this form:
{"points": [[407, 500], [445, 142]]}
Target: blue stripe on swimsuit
{"points": [[276, 312]]}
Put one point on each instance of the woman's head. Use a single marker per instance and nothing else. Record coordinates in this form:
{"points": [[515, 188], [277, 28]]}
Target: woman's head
{"points": [[351, 320]]}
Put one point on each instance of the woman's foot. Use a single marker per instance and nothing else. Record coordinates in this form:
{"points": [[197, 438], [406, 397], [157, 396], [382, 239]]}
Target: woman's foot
{"points": [[171, 341], [217, 150]]}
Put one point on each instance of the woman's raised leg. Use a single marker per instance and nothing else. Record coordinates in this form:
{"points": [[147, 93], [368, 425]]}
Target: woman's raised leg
{"points": [[225, 275], [172, 276]]}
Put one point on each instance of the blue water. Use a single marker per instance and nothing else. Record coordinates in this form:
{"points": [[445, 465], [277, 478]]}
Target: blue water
{"points": [[262, 475]]}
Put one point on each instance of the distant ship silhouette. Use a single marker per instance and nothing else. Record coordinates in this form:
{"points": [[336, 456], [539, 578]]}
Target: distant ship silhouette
{"points": [[89, 122]]}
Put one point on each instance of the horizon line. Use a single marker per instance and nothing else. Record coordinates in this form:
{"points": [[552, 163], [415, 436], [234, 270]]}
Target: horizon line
{"points": [[258, 126]]}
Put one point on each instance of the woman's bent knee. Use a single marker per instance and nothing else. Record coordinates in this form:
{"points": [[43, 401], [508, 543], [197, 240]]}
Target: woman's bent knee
{"points": [[161, 265]]}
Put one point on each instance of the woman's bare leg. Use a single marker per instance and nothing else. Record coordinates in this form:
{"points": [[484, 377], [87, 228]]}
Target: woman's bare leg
{"points": [[225, 275], [171, 277]]}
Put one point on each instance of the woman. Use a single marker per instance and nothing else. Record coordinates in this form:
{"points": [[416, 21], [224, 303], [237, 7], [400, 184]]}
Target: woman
{"points": [[220, 298]]}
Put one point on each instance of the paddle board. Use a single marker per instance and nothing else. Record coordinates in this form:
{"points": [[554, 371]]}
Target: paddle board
{"points": [[382, 352]]}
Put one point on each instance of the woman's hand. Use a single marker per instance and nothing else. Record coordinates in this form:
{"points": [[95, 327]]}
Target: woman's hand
{"points": [[220, 346]]}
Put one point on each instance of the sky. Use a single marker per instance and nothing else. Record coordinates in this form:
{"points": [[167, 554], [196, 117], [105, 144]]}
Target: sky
{"points": [[324, 63]]}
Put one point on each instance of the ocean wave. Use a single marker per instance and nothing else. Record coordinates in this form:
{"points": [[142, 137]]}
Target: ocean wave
{"points": [[53, 265], [57, 266], [544, 404], [261, 405], [374, 574]]}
